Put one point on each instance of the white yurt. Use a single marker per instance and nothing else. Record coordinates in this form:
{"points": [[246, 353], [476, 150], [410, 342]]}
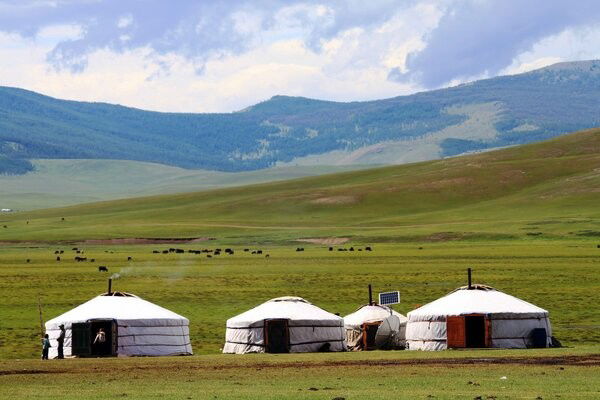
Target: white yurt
{"points": [[477, 316], [132, 327], [284, 325], [374, 326]]}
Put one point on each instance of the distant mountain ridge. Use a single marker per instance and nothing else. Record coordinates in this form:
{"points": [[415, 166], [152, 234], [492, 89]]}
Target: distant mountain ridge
{"points": [[284, 130]]}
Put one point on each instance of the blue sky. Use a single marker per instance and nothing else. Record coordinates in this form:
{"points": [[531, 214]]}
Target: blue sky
{"points": [[221, 56]]}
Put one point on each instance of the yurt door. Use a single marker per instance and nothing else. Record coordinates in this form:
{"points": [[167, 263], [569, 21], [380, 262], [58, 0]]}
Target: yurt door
{"points": [[277, 336], [80, 339], [104, 339], [471, 331], [369, 333]]}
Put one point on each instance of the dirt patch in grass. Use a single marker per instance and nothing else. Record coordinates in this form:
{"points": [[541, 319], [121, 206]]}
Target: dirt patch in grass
{"points": [[146, 241], [329, 240], [335, 200]]}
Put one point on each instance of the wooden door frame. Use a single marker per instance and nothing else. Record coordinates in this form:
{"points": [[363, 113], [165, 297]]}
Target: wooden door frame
{"points": [[462, 320]]}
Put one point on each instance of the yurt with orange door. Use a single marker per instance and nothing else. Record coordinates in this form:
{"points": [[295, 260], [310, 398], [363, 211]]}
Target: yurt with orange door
{"points": [[477, 316]]}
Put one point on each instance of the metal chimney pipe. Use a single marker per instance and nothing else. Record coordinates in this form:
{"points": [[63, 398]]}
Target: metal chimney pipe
{"points": [[109, 286], [370, 295], [469, 274]]}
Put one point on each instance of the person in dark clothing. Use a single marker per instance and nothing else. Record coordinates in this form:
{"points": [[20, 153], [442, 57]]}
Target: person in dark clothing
{"points": [[61, 341], [45, 347]]}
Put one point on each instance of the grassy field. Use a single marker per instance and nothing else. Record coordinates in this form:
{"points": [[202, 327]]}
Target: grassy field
{"points": [[560, 373], [561, 276], [59, 183], [526, 219], [547, 189]]}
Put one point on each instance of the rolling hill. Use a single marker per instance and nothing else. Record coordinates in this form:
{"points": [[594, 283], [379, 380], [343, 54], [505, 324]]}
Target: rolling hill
{"points": [[57, 183], [502, 111], [547, 189]]}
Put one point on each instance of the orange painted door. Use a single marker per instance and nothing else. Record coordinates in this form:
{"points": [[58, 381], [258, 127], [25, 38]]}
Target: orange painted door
{"points": [[455, 331]]}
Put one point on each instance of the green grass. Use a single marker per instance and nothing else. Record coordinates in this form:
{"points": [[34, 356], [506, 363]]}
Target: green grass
{"points": [[56, 183], [526, 219], [373, 375], [560, 276], [545, 190]]}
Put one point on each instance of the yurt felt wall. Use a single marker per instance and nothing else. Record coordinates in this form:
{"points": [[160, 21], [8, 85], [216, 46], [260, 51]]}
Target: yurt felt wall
{"points": [[285, 324], [140, 328], [476, 317]]}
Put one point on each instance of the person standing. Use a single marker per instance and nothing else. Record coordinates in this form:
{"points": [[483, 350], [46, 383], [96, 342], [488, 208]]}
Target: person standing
{"points": [[61, 341], [45, 347]]}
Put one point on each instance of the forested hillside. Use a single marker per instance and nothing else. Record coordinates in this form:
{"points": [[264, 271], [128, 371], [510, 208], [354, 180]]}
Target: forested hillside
{"points": [[524, 108]]}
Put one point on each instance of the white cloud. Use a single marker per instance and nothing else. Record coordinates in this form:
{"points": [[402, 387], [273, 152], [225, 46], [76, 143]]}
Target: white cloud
{"points": [[573, 44], [124, 21], [353, 65]]}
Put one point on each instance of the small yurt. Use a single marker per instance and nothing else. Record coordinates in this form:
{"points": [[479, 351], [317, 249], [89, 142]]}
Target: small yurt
{"points": [[284, 325], [374, 326], [132, 327], [477, 316]]}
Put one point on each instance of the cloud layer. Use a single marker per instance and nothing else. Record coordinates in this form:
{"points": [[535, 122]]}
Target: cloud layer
{"points": [[187, 55]]}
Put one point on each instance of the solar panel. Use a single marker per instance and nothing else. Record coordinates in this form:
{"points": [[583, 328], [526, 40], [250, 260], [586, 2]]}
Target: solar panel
{"points": [[389, 298]]}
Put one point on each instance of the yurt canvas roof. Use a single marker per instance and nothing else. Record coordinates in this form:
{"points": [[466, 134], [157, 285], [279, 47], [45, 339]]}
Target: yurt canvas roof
{"points": [[370, 313], [123, 308], [296, 309], [478, 300]]}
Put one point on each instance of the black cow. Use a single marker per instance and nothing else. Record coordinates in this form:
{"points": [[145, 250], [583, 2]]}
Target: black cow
{"points": [[93, 260], [102, 268], [368, 248], [129, 258], [155, 252], [258, 251], [165, 252], [331, 249], [57, 258]]}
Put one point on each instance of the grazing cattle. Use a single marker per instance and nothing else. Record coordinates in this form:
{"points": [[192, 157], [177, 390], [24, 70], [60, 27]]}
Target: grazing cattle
{"points": [[155, 252], [5, 226], [28, 260], [171, 250], [56, 252], [331, 249], [267, 256], [598, 246], [420, 248], [179, 251], [129, 258], [254, 252], [80, 259], [246, 250], [165, 252], [102, 268], [299, 248], [351, 248], [208, 256], [368, 248], [74, 249], [359, 249], [258, 251], [57, 258], [93, 260], [62, 219]]}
